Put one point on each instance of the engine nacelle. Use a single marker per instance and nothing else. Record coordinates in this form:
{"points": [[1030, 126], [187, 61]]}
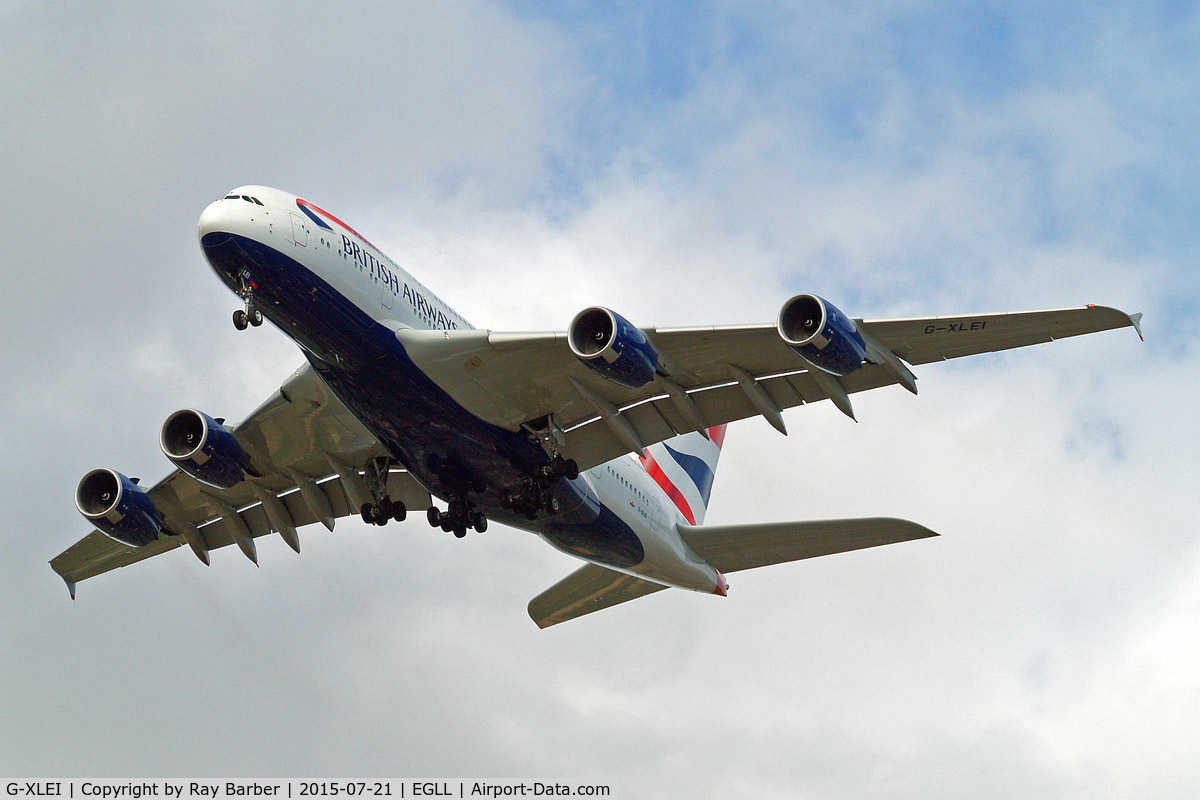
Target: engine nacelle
{"points": [[821, 334], [119, 507], [203, 448], [612, 346]]}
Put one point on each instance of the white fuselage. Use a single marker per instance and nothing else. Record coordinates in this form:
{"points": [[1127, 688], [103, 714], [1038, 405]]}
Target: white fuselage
{"points": [[387, 294]]}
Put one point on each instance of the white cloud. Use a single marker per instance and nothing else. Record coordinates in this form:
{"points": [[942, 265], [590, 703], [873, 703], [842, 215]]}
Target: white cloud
{"points": [[1040, 646]]}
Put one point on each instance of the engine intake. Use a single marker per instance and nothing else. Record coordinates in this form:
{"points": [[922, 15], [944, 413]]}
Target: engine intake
{"points": [[203, 448], [119, 507], [821, 334], [612, 346]]}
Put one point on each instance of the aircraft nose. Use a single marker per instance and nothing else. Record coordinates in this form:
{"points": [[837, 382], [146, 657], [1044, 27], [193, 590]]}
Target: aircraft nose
{"points": [[216, 219]]}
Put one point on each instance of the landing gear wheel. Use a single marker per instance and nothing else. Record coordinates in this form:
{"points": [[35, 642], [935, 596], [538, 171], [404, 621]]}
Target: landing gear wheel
{"points": [[240, 320], [460, 531], [255, 317], [553, 505], [479, 523], [399, 512], [434, 516], [365, 511], [570, 469]]}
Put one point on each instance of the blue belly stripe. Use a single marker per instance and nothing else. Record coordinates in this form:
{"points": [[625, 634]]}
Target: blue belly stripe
{"points": [[451, 451]]}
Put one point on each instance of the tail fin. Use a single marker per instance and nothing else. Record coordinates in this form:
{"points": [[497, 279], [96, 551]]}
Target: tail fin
{"points": [[684, 468]]}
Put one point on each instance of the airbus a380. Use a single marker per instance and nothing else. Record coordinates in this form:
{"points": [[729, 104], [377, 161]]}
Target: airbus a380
{"points": [[603, 440]]}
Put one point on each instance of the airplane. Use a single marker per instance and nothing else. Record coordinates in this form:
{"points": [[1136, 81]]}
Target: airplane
{"points": [[602, 439]]}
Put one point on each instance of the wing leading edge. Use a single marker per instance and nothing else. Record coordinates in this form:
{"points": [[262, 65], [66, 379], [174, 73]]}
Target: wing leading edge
{"points": [[301, 442], [707, 376]]}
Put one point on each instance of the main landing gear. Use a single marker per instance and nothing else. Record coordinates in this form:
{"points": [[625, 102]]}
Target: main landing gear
{"points": [[460, 515], [533, 496], [383, 512], [250, 315], [531, 499], [384, 509]]}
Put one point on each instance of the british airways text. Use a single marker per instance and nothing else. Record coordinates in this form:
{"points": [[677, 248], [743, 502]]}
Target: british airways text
{"points": [[428, 311]]}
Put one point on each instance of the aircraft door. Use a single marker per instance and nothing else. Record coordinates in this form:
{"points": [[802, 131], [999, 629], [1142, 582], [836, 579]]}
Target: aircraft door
{"points": [[655, 509], [299, 230], [385, 292]]}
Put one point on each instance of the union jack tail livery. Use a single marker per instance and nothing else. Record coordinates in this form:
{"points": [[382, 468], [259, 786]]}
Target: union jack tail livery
{"points": [[684, 467]]}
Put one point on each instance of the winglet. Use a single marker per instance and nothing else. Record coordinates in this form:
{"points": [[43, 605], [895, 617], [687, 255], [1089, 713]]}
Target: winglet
{"points": [[70, 587], [1136, 321]]}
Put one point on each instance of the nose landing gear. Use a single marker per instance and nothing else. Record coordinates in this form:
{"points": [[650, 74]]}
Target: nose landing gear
{"points": [[251, 315], [241, 318]]}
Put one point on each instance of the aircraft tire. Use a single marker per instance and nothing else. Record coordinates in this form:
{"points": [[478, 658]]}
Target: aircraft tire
{"points": [[365, 511], [256, 318], [479, 522], [434, 516], [399, 512], [240, 321]]}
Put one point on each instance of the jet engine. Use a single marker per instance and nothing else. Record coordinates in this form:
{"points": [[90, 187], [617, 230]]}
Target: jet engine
{"points": [[821, 334], [119, 507], [203, 448], [612, 346]]}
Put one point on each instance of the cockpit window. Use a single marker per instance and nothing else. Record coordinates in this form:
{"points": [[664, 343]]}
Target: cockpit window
{"points": [[245, 197]]}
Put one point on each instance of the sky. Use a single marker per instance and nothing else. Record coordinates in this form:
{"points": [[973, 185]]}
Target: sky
{"points": [[685, 163]]}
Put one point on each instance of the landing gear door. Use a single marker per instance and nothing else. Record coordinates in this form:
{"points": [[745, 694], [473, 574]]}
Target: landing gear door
{"points": [[299, 230]]}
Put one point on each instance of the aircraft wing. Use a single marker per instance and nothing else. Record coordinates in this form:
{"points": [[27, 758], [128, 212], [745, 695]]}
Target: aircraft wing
{"points": [[302, 442], [729, 548], [707, 375]]}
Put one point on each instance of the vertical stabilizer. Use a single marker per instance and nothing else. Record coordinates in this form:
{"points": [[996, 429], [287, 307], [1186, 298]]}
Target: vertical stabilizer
{"points": [[684, 467]]}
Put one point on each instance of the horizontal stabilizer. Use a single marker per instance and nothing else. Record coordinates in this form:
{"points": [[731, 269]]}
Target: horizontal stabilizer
{"points": [[585, 590], [730, 548]]}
